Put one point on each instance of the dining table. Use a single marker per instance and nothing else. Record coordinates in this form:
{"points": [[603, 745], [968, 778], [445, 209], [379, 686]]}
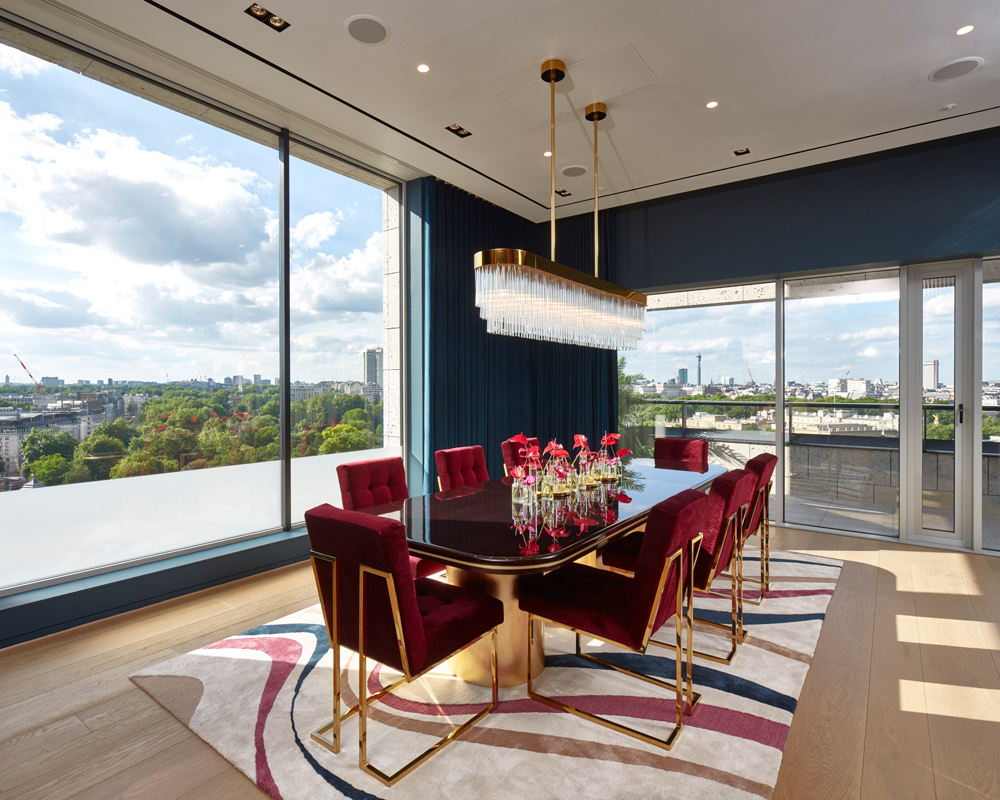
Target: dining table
{"points": [[492, 545]]}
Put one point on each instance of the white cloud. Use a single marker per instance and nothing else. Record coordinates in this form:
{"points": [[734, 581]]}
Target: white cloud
{"points": [[315, 229], [329, 285], [184, 139], [18, 64]]}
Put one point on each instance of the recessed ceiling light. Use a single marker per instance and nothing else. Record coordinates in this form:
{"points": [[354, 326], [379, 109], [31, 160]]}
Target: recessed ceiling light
{"points": [[547, 154], [965, 30], [743, 151], [563, 193], [258, 11], [423, 68], [366, 29], [458, 130], [270, 19], [713, 104]]}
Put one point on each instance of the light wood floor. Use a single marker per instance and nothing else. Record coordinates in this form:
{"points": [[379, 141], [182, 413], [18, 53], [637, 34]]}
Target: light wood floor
{"points": [[902, 700]]}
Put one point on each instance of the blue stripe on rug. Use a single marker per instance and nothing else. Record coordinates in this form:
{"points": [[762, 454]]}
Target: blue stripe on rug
{"points": [[661, 667], [726, 617], [322, 646], [793, 561]]}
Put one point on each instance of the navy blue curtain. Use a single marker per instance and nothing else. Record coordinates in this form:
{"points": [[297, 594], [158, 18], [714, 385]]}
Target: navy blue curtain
{"points": [[484, 388]]}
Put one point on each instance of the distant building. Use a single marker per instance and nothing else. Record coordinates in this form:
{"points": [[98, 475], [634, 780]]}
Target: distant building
{"points": [[51, 382], [372, 366], [238, 380], [110, 382], [303, 391], [682, 376], [372, 393], [265, 382], [82, 382], [931, 375], [228, 381], [859, 387], [256, 380]]}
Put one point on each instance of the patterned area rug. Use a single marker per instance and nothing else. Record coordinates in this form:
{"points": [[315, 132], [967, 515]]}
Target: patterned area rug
{"points": [[255, 698]]}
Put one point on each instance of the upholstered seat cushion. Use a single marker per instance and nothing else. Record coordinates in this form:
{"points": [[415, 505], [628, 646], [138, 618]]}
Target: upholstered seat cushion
{"points": [[671, 449], [452, 616], [623, 553], [424, 568], [461, 466], [364, 484], [589, 599]]}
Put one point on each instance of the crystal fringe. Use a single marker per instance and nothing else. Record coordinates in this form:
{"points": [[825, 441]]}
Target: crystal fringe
{"points": [[516, 300]]}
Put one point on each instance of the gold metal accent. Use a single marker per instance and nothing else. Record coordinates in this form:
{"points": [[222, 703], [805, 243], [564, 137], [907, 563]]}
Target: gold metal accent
{"points": [[595, 113], [693, 697], [553, 71], [364, 700], [522, 258], [763, 499], [473, 663]]}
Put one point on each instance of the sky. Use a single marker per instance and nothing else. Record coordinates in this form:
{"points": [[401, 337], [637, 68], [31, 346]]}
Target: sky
{"points": [[137, 243], [853, 335]]}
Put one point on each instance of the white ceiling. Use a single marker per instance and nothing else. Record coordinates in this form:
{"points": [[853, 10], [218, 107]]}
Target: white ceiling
{"points": [[799, 82]]}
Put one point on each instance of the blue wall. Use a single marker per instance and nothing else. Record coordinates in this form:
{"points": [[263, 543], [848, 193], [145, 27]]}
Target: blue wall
{"points": [[921, 203], [480, 388]]}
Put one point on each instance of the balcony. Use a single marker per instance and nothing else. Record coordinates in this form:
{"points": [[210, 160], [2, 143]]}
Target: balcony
{"points": [[842, 459]]}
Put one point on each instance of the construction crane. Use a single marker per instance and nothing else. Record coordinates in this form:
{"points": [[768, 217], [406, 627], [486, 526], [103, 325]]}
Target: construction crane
{"points": [[843, 381], [38, 386], [750, 373]]}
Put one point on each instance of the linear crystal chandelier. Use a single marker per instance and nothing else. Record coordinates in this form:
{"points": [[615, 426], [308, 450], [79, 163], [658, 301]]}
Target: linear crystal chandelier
{"points": [[521, 294]]}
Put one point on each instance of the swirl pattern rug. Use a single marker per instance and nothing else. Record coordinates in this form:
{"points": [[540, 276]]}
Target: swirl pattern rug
{"points": [[255, 698]]}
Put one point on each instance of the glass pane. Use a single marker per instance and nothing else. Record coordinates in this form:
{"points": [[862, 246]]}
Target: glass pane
{"points": [[703, 372], [938, 474], [991, 406], [842, 402], [339, 339], [138, 272]]}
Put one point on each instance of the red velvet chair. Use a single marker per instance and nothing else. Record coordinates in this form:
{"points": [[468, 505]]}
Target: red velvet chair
{"points": [[667, 448], [373, 606], [625, 611], [758, 520], [512, 453], [461, 466], [364, 484], [729, 499]]}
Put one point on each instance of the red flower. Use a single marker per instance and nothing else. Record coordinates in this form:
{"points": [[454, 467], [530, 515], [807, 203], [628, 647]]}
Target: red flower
{"points": [[194, 419], [610, 439], [610, 515], [580, 440], [549, 447], [519, 472], [530, 548], [554, 547], [584, 523], [161, 427], [520, 439], [560, 453], [623, 452], [621, 497], [215, 415]]}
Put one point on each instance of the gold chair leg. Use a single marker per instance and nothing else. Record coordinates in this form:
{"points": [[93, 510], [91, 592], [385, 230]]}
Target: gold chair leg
{"points": [[402, 772]]}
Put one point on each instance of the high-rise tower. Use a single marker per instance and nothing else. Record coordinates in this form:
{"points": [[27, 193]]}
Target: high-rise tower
{"points": [[699, 369], [372, 366]]}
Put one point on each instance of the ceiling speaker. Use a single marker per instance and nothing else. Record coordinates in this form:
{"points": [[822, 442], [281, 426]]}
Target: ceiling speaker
{"points": [[367, 30], [574, 171], [956, 69]]}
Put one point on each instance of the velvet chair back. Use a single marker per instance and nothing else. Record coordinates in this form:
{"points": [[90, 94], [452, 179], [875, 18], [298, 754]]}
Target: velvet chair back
{"points": [[687, 450], [364, 484], [728, 493], [670, 526], [763, 467], [354, 539], [512, 452], [461, 466]]}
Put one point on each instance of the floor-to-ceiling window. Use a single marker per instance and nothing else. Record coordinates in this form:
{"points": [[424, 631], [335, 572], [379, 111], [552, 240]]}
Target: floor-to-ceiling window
{"points": [[841, 359], [991, 406], [705, 369], [139, 233]]}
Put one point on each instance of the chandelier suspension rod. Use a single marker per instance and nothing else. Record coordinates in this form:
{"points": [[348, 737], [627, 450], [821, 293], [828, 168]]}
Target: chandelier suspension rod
{"points": [[595, 113], [552, 159]]}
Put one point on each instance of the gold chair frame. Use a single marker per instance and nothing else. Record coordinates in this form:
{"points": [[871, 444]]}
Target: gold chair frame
{"points": [[693, 697], [764, 528], [364, 700]]}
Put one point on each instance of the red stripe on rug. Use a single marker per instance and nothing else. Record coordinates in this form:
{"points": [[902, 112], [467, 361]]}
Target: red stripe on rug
{"points": [[285, 655], [714, 718]]}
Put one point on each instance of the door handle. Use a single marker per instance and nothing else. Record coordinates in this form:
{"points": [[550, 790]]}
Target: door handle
{"points": [[961, 413]]}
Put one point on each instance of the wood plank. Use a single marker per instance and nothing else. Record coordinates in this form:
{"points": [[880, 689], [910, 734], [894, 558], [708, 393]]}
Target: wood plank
{"points": [[226, 786], [966, 751], [824, 753], [984, 591], [790, 539], [47, 707], [165, 776], [42, 740], [897, 743], [130, 702], [95, 757]]}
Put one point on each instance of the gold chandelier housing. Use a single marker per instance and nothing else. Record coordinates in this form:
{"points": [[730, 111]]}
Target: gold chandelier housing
{"points": [[521, 294]]}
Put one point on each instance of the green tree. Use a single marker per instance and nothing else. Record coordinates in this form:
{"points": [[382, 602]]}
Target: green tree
{"points": [[77, 473], [356, 418], [120, 429], [631, 410], [135, 464], [41, 443], [343, 439], [50, 470], [95, 454]]}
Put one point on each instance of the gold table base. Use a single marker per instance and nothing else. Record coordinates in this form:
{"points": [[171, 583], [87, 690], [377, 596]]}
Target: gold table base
{"points": [[473, 663]]}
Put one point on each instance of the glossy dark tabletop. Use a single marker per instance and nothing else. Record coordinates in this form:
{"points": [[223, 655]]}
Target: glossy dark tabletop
{"points": [[476, 527]]}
